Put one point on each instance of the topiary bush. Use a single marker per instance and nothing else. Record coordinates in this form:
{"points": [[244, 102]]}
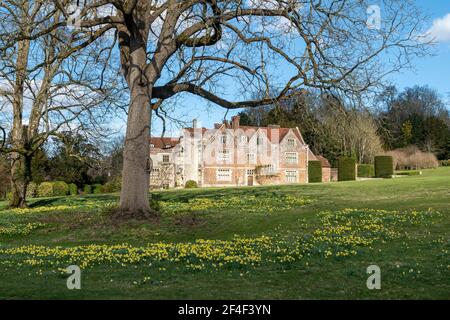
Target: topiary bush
{"points": [[190, 184], [73, 189], [112, 186], [97, 188], [384, 166], [314, 171], [366, 170], [60, 188], [32, 190], [87, 189], [45, 189], [346, 169]]}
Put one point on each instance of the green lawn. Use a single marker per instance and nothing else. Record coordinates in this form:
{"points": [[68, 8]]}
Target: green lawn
{"points": [[280, 242]]}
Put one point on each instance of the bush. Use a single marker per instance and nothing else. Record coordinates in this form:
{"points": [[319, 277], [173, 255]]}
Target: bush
{"points": [[346, 169], [9, 196], [97, 188], [112, 186], [384, 166], [409, 173], [314, 171], [73, 189], [190, 184], [60, 188], [45, 189], [32, 190], [366, 170], [87, 189], [445, 163], [412, 158]]}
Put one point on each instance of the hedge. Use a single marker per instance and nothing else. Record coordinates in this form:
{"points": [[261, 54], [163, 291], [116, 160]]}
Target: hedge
{"points": [[32, 190], [73, 189], [190, 184], [96, 188], [45, 189], [346, 169], [366, 170], [113, 186], [384, 166], [314, 171], [87, 189], [60, 188]]}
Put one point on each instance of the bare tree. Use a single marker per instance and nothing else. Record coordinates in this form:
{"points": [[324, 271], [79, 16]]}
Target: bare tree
{"points": [[214, 48], [46, 83]]}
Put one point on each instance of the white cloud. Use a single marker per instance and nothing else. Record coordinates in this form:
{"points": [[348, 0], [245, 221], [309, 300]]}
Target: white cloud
{"points": [[441, 29]]}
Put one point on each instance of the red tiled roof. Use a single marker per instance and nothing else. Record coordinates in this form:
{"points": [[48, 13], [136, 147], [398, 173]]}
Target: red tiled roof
{"points": [[165, 142], [248, 130], [324, 161]]}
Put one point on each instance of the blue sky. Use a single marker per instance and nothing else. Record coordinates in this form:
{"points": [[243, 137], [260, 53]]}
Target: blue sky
{"points": [[433, 71]]}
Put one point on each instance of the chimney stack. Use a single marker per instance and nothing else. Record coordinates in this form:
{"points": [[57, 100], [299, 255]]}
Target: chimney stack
{"points": [[194, 124], [236, 122]]}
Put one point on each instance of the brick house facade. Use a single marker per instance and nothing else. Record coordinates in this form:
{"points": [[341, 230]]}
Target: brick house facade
{"points": [[232, 155]]}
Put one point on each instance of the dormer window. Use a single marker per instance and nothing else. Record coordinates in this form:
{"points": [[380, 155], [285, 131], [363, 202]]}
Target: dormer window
{"points": [[152, 145], [223, 139], [244, 139], [259, 141], [291, 142]]}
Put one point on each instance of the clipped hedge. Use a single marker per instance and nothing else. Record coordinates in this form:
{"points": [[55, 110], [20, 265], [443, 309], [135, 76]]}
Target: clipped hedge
{"points": [[87, 189], [97, 188], [45, 189], [60, 188], [346, 169], [32, 190], [384, 166], [366, 170], [73, 189], [112, 186], [314, 171], [190, 184]]}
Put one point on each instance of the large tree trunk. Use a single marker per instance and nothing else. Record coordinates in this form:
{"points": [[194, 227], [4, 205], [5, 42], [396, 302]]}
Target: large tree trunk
{"points": [[134, 197], [20, 179]]}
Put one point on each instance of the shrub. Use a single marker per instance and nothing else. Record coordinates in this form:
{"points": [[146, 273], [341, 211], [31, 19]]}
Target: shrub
{"points": [[314, 171], [409, 173], [445, 163], [191, 184], [346, 169], [97, 188], [9, 196], [73, 189], [112, 186], [60, 188], [87, 189], [366, 170], [413, 158], [384, 166], [32, 190], [45, 189]]}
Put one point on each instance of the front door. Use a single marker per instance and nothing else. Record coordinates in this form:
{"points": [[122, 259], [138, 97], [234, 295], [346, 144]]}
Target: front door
{"points": [[250, 181]]}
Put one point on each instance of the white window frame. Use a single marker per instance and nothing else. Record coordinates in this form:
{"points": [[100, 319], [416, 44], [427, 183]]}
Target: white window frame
{"points": [[251, 158], [224, 175], [291, 142], [244, 139], [291, 157], [223, 155], [223, 139], [166, 156], [291, 176]]}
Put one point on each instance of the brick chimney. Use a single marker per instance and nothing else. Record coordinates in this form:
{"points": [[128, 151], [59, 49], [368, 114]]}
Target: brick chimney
{"points": [[235, 122], [194, 124]]}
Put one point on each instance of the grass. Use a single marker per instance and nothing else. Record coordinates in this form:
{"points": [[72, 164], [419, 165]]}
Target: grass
{"points": [[278, 242]]}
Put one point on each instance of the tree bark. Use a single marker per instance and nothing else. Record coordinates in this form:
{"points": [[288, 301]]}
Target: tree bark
{"points": [[134, 198]]}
